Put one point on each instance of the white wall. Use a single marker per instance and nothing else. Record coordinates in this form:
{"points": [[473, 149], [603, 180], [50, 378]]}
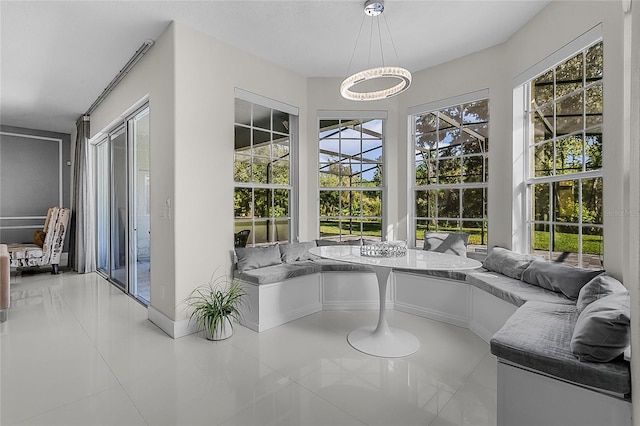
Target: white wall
{"points": [[189, 79], [632, 259], [495, 68], [207, 72], [324, 95], [153, 78]]}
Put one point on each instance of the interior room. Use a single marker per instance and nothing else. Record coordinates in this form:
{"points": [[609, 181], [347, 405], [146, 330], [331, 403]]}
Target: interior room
{"points": [[158, 146]]}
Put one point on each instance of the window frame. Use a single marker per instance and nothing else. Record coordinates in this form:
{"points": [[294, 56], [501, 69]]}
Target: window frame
{"points": [[430, 108], [581, 45], [342, 116], [292, 187]]}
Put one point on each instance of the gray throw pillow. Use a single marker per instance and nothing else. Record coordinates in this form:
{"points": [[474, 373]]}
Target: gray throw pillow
{"points": [[507, 262], [443, 242], [296, 251], [599, 287], [565, 279], [602, 330], [257, 257]]}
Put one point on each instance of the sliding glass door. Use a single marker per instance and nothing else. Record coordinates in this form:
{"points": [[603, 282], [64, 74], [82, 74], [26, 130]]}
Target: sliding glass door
{"points": [[118, 273], [140, 254], [122, 196]]}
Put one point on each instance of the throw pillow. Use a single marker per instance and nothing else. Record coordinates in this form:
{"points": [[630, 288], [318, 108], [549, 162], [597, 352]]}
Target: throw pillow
{"points": [[296, 251], [257, 257], [39, 237], [443, 242], [599, 287], [602, 330], [565, 279], [507, 262]]}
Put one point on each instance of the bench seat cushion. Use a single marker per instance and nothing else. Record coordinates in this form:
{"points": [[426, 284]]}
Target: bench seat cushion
{"points": [[514, 291], [278, 273], [538, 336], [329, 265]]}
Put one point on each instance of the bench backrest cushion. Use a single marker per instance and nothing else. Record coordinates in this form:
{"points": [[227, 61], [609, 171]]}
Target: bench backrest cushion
{"points": [[257, 257], [295, 252], [599, 287], [565, 279], [507, 262], [602, 331], [444, 242]]}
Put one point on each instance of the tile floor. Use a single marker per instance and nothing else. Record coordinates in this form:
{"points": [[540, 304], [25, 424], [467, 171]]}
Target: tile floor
{"points": [[77, 351]]}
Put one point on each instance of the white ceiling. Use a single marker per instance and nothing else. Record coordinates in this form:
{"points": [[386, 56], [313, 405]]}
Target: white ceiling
{"points": [[56, 57]]}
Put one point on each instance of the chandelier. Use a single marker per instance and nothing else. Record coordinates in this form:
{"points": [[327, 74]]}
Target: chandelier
{"points": [[401, 76]]}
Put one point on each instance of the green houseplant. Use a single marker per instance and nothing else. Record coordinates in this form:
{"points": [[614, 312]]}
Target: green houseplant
{"points": [[214, 305]]}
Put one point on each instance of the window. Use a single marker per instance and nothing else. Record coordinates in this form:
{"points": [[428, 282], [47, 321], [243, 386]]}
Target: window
{"points": [[564, 148], [351, 178], [451, 170], [263, 173]]}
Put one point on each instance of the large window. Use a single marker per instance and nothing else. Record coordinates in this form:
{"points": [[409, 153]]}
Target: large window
{"points": [[564, 148], [263, 174], [351, 179], [451, 168]]}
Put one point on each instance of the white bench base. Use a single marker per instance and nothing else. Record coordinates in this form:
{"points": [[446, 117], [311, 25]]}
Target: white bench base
{"points": [[453, 302], [528, 398], [269, 305], [352, 290]]}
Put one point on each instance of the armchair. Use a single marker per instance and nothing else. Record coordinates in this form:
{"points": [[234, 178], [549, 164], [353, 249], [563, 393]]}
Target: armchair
{"points": [[48, 243]]}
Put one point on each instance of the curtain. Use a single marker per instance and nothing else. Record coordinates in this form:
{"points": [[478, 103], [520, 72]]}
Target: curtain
{"points": [[82, 256]]}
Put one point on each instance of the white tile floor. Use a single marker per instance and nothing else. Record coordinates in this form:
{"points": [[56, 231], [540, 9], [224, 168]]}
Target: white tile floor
{"points": [[77, 351]]}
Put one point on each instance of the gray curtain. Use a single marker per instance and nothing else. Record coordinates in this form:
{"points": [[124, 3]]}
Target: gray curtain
{"points": [[82, 256]]}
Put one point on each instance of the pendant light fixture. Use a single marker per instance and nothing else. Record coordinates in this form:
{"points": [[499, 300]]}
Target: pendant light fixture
{"points": [[373, 9]]}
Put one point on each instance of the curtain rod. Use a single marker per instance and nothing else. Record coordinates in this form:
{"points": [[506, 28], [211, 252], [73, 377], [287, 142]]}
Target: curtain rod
{"points": [[123, 72]]}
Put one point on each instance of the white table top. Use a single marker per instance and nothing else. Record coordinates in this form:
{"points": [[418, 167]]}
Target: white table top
{"points": [[415, 259]]}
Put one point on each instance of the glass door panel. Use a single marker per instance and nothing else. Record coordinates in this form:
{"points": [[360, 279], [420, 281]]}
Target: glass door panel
{"points": [[118, 239], [102, 201], [140, 255]]}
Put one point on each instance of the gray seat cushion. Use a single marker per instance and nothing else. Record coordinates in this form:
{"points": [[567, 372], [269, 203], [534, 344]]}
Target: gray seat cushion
{"points": [[278, 273], [512, 290], [538, 335], [329, 265]]}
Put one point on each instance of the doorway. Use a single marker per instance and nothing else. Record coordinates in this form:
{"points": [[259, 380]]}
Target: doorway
{"points": [[122, 195]]}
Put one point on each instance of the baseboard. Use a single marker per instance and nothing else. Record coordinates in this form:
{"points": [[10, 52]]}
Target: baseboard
{"points": [[342, 306], [431, 314], [480, 331], [265, 324], [175, 329]]}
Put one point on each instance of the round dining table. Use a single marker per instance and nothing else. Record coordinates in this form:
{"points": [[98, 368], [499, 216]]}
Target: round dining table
{"points": [[381, 340]]}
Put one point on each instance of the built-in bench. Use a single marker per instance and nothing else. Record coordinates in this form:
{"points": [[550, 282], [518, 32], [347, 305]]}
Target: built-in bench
{"points": [[528, 326]]}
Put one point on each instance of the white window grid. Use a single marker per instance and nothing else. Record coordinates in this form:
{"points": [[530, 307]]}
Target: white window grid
{"points": [[579, 176]]}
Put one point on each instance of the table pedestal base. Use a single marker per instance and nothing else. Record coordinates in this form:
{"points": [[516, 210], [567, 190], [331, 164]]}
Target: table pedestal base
{"points": [[393, 343]]}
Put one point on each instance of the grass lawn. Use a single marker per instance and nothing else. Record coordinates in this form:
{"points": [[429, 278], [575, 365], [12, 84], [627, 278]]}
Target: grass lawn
{"points": [[331, 227], [591, 244]]}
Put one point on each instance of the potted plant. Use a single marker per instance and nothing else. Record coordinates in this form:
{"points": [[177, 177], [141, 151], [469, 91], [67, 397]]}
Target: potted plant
{"points": [[214, 305]]}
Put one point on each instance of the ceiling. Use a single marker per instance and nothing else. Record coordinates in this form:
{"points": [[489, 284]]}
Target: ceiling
{"points": [[56, 57]]}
